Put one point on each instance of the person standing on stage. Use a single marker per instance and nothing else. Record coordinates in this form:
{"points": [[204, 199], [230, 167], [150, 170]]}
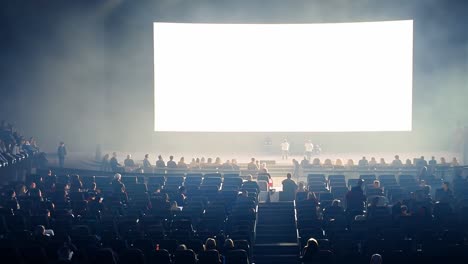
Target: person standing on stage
{"points": [[61, 153], [284, 149], [309, 148]]}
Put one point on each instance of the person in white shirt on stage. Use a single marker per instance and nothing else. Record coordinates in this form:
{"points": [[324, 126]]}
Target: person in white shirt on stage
{"points": [[309, 148], [285, 149]]}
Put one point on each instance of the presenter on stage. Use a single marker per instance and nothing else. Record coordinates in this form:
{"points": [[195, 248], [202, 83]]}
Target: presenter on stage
{"points": [[285, 149], [309, 148]]}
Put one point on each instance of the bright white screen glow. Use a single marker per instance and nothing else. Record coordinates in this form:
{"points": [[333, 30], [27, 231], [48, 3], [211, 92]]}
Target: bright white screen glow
{"points": [[339, 77]]}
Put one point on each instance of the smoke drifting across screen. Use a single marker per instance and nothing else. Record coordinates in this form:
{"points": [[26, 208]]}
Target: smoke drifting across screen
{"points": [[340, 77]]}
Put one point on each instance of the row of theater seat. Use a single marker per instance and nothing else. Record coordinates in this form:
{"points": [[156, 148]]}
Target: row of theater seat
{"points": [[140, 219]]}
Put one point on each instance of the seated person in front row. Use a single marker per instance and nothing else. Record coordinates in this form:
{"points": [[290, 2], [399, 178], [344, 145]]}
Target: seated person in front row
{"points": [[252, 166], [397, 162]]}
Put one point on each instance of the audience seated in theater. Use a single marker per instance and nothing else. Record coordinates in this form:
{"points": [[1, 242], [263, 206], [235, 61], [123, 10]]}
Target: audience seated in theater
{"points": [[425, 188], [160, 164], [209, 164], [397, 162], [408, 163], [376, 259], [114, 163], [338, 163], [454, 162], [376, 186], [301, 187], [10, 201], [363, 162], [146, 163], [443, 162], [423, 174], [316, 162], [444, 194], [243, 196], [328, 163], [21, 190], [209, 256], [175, 207], [194, 164], [421, 162], [128, 162], [355, 200], [182, 164], [252, 166], [105, 163], [181, 247], [228, 246], [382, 162], [433, 161], [350, 163], [181, 196], [171, 164], [210, 244], [161, 202], [372, 162], [312, 254], [309, 253], [305, 163], [227, 166], [234, 165], [332, 211], [263, 168], [218, 162]]}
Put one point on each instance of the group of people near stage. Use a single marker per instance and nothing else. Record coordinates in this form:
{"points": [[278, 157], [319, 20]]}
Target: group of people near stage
{"points": [[129, 165], [373, 163], [356, 199], [14, 146], [309, 149]]}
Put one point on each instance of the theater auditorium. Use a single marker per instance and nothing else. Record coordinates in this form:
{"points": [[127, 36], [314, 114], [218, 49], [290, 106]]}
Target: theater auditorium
{"points": [[233, 132]]}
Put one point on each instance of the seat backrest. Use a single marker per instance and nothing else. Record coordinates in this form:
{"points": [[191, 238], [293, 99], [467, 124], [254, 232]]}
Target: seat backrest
{"points": [[212, 181], [367, 177], [160, 256], [209, 257], [193, 180], [185, 257], [336, 177], [212, 175], [263, 185], [263, 177], [315, 177], [237, 256], [156, 180], [233, 181], [174, 180]]}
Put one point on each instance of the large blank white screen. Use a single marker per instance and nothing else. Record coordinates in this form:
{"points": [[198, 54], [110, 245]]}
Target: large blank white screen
{"points": [[283, 77]]}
